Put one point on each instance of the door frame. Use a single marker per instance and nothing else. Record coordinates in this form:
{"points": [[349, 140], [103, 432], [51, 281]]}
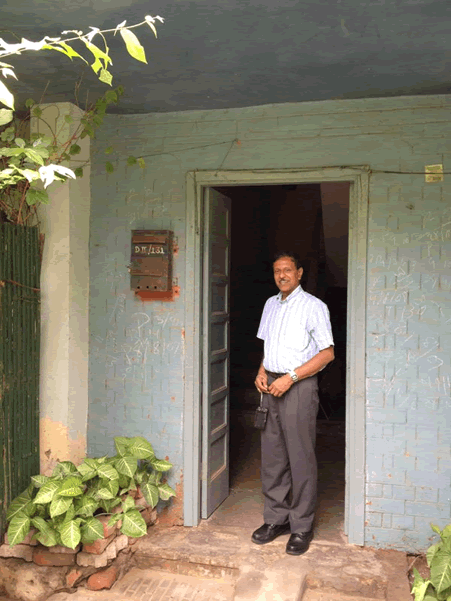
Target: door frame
{"points": [[358, 177]]}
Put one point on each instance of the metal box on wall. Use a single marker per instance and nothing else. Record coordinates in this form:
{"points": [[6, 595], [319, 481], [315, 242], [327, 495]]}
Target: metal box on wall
{"points": [[151, 262]]}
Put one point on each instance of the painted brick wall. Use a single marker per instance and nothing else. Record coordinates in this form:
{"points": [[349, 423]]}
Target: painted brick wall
{"points": [[136, 354]]}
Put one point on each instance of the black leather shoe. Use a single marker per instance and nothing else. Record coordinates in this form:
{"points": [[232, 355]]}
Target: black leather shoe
{"points": [[299, 543], [268, 532]]}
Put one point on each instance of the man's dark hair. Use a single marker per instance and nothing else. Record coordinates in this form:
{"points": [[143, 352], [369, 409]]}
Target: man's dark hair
{"points": [[291, 255]]}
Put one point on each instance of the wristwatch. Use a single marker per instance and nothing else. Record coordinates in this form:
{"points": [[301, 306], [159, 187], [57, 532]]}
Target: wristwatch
{"points": [[293, 375]]}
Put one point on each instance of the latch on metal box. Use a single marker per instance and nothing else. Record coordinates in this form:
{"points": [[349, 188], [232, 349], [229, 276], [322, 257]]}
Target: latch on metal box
{"points": [[151, 264]]}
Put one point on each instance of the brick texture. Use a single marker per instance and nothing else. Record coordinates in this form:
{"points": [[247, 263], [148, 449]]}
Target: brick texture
{"points": [[136, 352], [73, 577], [99, 545], [20, 551], [102, 580], [43, 557]]}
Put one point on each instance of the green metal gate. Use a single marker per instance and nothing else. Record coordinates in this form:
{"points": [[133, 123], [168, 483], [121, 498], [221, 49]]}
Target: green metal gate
{"points": [[19, 359]]}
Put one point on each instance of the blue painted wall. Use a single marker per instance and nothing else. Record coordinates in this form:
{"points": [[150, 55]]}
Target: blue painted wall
{"points": [[136, 353]]}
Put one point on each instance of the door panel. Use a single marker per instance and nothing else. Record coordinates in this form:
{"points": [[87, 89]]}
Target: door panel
{"points": [[216, 355]]}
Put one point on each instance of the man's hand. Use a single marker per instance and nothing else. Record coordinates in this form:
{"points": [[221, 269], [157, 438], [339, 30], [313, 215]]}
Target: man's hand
{"points": [[261, 381], [280, 386]]}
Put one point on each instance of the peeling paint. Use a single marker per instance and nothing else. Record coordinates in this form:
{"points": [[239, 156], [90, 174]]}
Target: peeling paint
{"points": [[58, 445]]}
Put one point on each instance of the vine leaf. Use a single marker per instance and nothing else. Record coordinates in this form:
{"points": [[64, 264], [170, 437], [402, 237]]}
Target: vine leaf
{"points": [[6, 116], [133, 45], [105, 76], [6, 97]]}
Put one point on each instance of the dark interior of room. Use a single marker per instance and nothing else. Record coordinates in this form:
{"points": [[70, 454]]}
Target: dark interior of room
{"points": [[311, 220]]}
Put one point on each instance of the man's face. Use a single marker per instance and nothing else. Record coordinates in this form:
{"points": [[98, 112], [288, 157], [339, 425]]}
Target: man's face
{"points": [[286, 276]]}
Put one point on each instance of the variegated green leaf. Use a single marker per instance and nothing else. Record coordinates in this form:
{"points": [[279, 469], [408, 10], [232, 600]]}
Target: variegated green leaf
{"points": [[109, 504], [49, 538], [71, 487], [165, 491], [431, 552], [127, 466], [133, 524], [419, 586], [18, 529], [86, 507], [107, 471], [91, 531], [64, 468], [150, 492], [140, 476], [47, 492], [92, 463], [111, 485], [70, 513], [125, 481], [70, 534], [160, 465], [21, 504], [155, 478], [86, 471], [140, 448], [129, 503], [41, 511], [114, 519], [104, 493], [59, 505], [121, 444], [441, 570], [40, 524], [39, 480]]}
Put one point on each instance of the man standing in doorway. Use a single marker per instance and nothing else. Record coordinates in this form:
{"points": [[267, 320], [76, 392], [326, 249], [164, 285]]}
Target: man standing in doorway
{"points": [[298, 343]]}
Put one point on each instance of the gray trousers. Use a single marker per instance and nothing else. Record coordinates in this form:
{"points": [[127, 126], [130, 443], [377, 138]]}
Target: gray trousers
{"points": [[289, 471]]}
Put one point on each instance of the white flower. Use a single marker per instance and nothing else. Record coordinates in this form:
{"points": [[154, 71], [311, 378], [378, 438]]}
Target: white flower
{"points": [[48, 173]]}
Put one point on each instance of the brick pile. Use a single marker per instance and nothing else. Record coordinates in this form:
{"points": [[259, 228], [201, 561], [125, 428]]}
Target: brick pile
{"points": [[96, 566]]}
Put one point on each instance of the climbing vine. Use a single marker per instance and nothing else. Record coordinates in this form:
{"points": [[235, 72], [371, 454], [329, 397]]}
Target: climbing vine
{"points": [[29, 163]]}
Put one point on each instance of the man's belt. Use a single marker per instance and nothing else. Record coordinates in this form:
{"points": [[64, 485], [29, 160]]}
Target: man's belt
{"points": [[274, 375]]}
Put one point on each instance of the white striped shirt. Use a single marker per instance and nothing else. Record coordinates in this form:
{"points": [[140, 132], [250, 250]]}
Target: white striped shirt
{"points": [[294, 330]]}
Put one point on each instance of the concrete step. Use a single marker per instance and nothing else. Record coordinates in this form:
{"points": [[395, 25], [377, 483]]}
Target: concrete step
{"points": [[223, 560], [263, 570], [339, 573], [259, 572], [311, 595]]}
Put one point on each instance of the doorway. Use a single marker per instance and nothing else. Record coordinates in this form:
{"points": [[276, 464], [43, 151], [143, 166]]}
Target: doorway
{"points": [[295, 202], [312, 220]]}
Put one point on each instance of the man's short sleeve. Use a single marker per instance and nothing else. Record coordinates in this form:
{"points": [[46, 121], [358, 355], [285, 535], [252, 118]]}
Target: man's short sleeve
{"points": [[264, 322], [319, 326]]}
